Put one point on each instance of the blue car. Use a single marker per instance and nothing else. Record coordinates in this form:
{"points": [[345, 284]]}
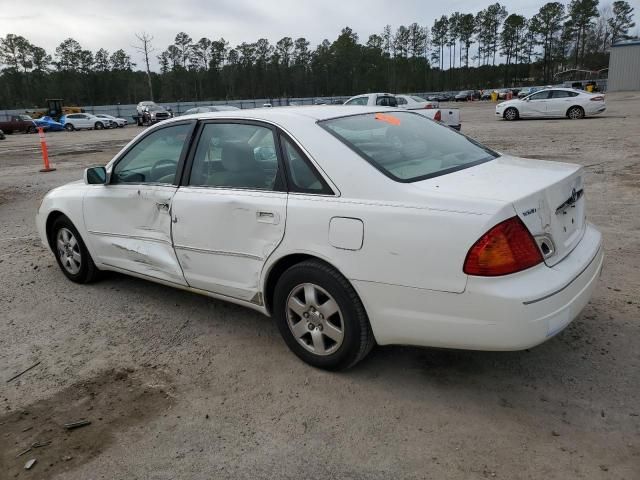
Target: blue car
{"points": [[49, 123]]}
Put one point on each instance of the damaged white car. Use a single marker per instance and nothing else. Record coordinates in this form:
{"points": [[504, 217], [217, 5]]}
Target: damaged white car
{"points": [[350, 226]]}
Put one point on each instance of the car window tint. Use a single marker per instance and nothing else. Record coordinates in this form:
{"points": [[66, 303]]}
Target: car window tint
{"points": [[236, 156], [406, 146], [357, 101], [561, 94], [386, 101], [401, 101], [154, 159], [303, 178], [540, 95]]}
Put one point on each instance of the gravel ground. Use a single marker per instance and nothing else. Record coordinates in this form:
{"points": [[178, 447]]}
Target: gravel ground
{"points": [[181, 386]]}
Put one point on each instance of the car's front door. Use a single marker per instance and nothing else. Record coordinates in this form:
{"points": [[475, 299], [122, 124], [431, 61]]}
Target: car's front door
{"points": [[229, 215], [536, 105], [129, 219]]}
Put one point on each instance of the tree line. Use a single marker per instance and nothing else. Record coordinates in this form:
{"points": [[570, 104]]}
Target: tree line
{"points": [[490, 48]]}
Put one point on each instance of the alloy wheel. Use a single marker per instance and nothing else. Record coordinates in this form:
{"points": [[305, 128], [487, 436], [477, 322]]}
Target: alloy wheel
{"points": [[69, 251], [315, 319]]}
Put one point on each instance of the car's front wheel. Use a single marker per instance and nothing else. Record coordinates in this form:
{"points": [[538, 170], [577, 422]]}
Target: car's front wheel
{"points": [[71, 253], [511, 114], [321, 317], [69, 128], [99, 126]]}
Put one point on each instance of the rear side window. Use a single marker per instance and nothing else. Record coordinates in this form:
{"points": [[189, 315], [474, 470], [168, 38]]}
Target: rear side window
{"points": [[303, 178], [357, 101], [540, 95], [386, 101], [405, 146], [563, 94]]}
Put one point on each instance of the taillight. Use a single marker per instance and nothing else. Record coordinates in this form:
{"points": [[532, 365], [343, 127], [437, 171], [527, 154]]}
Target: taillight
{"points": [[438, 116], [429, 106], [507, 248], [598, 98]]}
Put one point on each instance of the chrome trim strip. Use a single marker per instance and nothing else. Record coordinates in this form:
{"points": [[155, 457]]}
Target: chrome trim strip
{"points": [[133, 237], [218, 252], [529, 302]]}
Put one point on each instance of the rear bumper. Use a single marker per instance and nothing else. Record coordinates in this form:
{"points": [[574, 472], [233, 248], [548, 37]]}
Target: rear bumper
{"points": [[503, 313]]}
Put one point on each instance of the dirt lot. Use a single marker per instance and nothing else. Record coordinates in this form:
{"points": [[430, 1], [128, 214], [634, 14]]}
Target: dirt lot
{"points": [[181, 386]]}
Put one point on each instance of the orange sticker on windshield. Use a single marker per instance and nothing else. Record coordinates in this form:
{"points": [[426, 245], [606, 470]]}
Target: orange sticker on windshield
{"points": [[390, 119]]}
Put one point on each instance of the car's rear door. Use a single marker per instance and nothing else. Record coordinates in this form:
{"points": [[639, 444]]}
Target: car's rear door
{"points": [[129, 218], [229, 214], [559, 102]]}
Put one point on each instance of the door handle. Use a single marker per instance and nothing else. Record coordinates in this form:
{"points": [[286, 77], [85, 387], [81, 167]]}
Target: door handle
{"points": [[266, 217], [162, 206]]}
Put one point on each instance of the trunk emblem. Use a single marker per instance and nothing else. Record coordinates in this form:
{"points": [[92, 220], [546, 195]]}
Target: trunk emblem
{"points": [[571, 201]]}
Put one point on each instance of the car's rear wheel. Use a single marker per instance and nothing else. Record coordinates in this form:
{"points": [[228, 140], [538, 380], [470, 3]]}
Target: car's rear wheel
{"points": [[321, 317], [31, 129], [511, 114], [575, 113], [98, 125], [69, 128], [71, 253]]}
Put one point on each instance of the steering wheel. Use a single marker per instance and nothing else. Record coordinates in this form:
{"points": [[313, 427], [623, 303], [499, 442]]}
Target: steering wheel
{"points": [[163, 168]]}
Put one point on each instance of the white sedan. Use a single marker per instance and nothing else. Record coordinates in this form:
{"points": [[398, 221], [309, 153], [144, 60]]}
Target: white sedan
{"points": [[79, 121], [350, 226], [116, 122], [411, 102], [553, 102]]}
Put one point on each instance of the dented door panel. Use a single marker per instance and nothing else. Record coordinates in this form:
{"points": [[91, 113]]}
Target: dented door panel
{"points": [[129, 227], [222, 237]]}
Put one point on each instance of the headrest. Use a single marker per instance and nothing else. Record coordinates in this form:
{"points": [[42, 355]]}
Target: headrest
{"points": [[238, 157]]}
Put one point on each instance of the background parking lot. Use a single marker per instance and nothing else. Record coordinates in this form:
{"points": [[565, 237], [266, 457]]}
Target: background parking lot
{"points": [[182, 386]]}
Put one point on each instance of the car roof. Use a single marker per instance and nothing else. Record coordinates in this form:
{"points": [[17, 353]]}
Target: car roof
{"points": [[287, 115]]}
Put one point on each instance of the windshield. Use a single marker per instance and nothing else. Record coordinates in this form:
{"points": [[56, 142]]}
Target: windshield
{"points": [[418, 99], [25, 117], [407, 146]]}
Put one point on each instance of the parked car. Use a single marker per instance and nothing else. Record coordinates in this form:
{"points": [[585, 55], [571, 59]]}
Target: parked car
{"points": [[486, 94], [413, 102], [142, 106], [49, 124], [503, 93], [383, 228], [19, 123], [80, 121], [528, 91], [466, 95], [553, 102], [212, 108], [116, 122], [447, 116], [152, 114]]}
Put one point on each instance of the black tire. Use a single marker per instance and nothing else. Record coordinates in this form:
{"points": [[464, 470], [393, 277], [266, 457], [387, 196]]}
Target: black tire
{"points": [[511, 114], [357, 339], [32, 129], [575, 113], [98, 125], [68, 127], [88, 272]]}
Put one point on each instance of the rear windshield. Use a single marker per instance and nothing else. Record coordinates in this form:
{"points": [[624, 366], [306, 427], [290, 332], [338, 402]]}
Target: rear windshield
{"points": [[406, 146]]}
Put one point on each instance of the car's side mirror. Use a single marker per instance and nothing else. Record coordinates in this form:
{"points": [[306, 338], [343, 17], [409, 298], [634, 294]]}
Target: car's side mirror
{"points": [[95, 176]]}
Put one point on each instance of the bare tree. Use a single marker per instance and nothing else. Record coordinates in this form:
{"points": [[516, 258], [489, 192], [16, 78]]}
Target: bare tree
{"points": [[146, 48]]}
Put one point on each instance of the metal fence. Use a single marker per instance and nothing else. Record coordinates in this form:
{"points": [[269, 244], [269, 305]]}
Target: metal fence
{"points": [[178, 108]]}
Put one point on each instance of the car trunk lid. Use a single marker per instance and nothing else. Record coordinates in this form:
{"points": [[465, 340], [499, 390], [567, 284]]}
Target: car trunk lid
{"points": [[547, 196]]}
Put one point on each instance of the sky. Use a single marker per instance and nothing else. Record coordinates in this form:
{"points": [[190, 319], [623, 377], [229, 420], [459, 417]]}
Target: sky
{"points": [[112, 24]]}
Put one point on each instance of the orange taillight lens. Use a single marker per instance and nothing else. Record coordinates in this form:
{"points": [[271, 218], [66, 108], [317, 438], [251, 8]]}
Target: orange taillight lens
{"points": [[507, 248], [438, 116], [599, 98]]}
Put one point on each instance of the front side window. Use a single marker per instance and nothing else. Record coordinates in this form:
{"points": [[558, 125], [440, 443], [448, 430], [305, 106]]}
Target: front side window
{"points": [[357, 101], [154, 159], [235, 155], [540, 95], [407, 146], [303, 178]]}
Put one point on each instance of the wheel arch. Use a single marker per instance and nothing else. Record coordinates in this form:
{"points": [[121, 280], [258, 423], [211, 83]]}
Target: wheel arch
{"points": [[279, 266], [51, 218]]}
